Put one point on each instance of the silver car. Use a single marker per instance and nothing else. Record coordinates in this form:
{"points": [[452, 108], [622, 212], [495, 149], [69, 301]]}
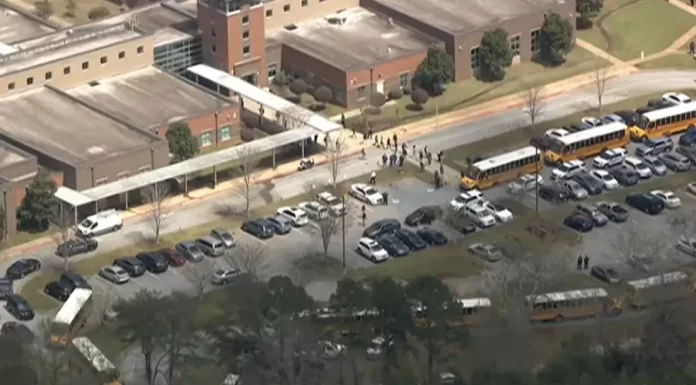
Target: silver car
{"points": [[487, 251], [114, 274], [591, 211], [656, 165], [190, 251], [675, 161], [576, 191], [223, 276], [224, 236]]}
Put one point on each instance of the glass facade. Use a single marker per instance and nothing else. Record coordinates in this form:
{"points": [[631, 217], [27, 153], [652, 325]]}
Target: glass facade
{"points": [[177, 57]]}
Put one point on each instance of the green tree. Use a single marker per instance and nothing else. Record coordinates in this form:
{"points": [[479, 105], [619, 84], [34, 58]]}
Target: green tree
{"points": [[435, 71], [70, 8], [99, 12], [394, 321], [182, 144], [587, 10], [555, 39], [495, 54], [38, 206]]}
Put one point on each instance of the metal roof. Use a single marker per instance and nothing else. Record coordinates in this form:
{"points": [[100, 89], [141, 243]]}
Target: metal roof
{"points": [[568, 295], [658, 280], [93, 355], [72, 197], [71, 308]]}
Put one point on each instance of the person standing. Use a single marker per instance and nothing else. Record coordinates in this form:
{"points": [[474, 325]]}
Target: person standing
{"points": [[373, 178], [692, 45], [587, 262], [364, 219], [381, 141], [580, 262], [442, 169], [401, 160], [388, 142], [422, 165], [413, 149], [430, 158], [395, 141], [384, 160], [385, 198], [343, 120], [420, 155]]}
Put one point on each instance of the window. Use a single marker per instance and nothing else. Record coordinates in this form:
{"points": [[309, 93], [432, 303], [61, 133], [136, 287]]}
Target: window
{"points": [[272, 70], [269, 12], [535, 40], [11, 86], [85, 65], [515, 45], [212, 48], [286, 8], [212, 32], [140, 50], [103, 60], [245, 20], [66, 71], [304, 3], [361, 92], [122, 55], [48, 75], [101, 181], [30, 81], [246, 50], [475, 63], [403, 80], [225, 134], [206, 139], [245, 35]]}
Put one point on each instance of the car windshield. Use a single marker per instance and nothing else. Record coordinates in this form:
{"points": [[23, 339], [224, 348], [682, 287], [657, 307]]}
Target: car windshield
{"points": [[370, 191], [87, 223], [219, 272], [565, 168], [225, 235], [641, 166], [612, 273], [606, 177], [376, 247], [490, 249], [499, 207]]}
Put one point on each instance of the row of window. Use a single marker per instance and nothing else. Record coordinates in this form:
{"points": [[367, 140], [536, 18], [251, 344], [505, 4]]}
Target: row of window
{"points": [[246, 49], [207, 138], [67, 70], [515, 165], [580, 302], [286, 8], [673, 119], [603, 139], [404, 81], [515, 48]]}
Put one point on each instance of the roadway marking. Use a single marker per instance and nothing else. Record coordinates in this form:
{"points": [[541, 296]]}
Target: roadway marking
{"points": [[174, 270], [153, 275], [137, 282]]}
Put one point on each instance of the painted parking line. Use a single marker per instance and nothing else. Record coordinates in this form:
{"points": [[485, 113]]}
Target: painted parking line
{"points": [[174, 271], [152, 275], [137, 282]]}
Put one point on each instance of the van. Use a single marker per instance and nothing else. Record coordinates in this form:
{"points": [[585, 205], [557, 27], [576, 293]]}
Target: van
{"points": [[73, 281], [101, 223], [211, 246]]}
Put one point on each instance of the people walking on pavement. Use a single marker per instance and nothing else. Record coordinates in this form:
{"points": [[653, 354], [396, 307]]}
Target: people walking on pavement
{"points": [[587, 262], [403, 152], [384, 160], [442, 169], [381, 142], [363, 208], [395, 141], [388, 142], [440, 155], [392, 160], [364, 218], [362, 152], [430, 158], [422, 165], [401, 160], [692, 48], [437, 179], [425, 149], [385, 198], [413, 150], [420, 155], [580, 262], [373, 178], [376, 140]]}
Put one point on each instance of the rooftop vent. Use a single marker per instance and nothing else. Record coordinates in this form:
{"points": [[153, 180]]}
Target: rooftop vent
{"points": [[95, 150], [93, 83], [290, 27]]}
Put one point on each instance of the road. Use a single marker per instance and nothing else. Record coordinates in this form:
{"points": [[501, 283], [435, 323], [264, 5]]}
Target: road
{"points": [[616, 90]]}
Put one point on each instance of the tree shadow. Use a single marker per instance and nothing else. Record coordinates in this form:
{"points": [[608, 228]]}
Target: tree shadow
{"points": [[317, 107], [293, 98], [413, 107]]}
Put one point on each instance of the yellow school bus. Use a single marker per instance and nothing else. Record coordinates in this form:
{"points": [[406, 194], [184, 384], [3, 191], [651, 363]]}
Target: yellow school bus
{"points": [[658, 289], [664, 122], [590, 142], [564, 305], [71, 317], [91, 364], [470, 312], [339, 322], [502, 168]]}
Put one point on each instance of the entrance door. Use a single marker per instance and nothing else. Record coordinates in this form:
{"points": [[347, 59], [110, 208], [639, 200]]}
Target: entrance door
{"points": [[250, 79]]}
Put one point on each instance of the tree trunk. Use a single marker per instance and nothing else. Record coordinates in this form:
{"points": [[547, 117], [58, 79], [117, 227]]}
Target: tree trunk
{"points": [[355, 369]]}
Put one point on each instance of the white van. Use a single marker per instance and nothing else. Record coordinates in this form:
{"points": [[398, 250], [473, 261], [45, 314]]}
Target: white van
{"points": [[101, 223]]}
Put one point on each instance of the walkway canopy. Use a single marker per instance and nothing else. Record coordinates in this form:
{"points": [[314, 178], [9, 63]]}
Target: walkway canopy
{"points": [[315, 124]]}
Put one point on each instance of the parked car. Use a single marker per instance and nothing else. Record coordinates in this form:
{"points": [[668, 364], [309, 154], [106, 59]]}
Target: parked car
{"points": [[6, 287], [642, 263], [688, 152], [487, 251], [423, 216], [637, 165], [606, 274], [645, 202], [298, 217], [19, 307], [624, 175], [131, 265], [225, 276], [174, 257], [260, 228], [315, 210], [366, 193], [592, 185], [460, 222], [17, 332], [480, 216], [154, 262], [554, 193], [466, 198], [393, 245], [608, 180], [688, 138], [76, 246], [336, 207], [691, 187], [656, 165], [591, 211], [670, 200], [380, 227], [370, 249], [654, 146], [676, 161], [612, 118], [525, 182], [543, 143], [432, 236], [224, 236], [74, 281], [190, 251], [613, 211], [57, 290], [211, 246], [499, 212], [411, 239], [687, 245], [567, 170], [676, 98], [114, 274], [579, 222], [23, 267], [281, 224], [576, 190], [100, 223], [591, 121], [629, 117], [610, 158]]}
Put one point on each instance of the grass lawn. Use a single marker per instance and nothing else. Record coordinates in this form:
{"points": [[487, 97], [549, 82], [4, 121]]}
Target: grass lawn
{"points": [[672, 61], [627, 27], [470, 92]]}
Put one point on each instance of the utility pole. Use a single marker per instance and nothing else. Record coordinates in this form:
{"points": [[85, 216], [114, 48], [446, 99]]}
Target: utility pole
{"points": [[343, 220], [536, 181]]}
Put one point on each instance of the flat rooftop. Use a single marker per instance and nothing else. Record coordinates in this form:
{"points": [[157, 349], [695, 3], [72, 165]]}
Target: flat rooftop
{"points": [[148, 98], [51, 123], [10, 155], [457, 16], [61, 45], [15, 27], [352, 39]]}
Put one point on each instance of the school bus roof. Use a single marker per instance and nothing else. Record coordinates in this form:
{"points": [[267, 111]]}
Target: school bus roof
{"points": [[73, 305], [670, 111], [498, 160], [657, 280], [568, 295], [92, 354], [592, 133], [474, 302]]}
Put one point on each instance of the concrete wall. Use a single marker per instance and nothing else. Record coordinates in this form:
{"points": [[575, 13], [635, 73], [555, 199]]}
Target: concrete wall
{"points": [[301, 10]]}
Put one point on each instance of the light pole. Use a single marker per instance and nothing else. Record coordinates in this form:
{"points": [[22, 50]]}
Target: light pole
{"points": [[343, 227], [536, 181]]}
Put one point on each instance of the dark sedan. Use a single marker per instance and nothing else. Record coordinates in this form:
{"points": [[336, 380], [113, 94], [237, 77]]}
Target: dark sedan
{"points": [[411, 239], [173, 256], [154, 262], [630, 117], [432, 236], [393, 245], [382, 226], [613, 211], [624, 175], [57, 290], [131, 265], [593, 185], [645, 202], [76, 246], [6, 287], [423, 216], [19, 307], [606, 274], [260, 228], [554, 193], [22, 268], [579, 222]]}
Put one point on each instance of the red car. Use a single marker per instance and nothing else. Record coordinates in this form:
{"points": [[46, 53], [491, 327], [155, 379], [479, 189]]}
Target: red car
{"points": [[174, 257]]}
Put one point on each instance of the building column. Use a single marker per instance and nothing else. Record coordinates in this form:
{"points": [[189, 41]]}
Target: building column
{"points": [[274, 159], [186, 185], [215, 177], [302, 145], [127, 200]]}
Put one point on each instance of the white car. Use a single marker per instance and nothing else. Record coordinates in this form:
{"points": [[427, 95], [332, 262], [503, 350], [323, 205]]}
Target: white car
{"points": [[610, 158], [500, 212], [466, 198], [480, 216], [370, 249], [687, 245], [376, 346], [366, 193], [676, 98], [568, 169], [114, 274], [557, 133], [101, 223], [671, 201], [691, 187], [591, 121], [609, 181], [525, 183], [298, 216], [314, 209], [334, 204], [638, 166], [331, 349]]}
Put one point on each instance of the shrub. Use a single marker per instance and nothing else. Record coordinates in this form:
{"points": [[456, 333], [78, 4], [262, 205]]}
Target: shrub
{"points": [[396, 94], [298, 87], [98, 13], [323, 94], [407, 90], [378, 99], [280, 79], [419, 96], [247, 134]]}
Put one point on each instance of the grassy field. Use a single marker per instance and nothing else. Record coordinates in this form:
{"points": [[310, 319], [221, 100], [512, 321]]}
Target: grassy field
{"points": [[470, 92], [673, 61], [625, 28]]}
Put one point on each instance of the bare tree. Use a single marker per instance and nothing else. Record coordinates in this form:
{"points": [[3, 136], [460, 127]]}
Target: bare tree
{"points": [[328, 227], [199, 275], [600, 75], [248, 190], [638, 248], [64, 222], [334, 151], [295, 117], [250, 258], [103, 301], [684, 222], [532, 103], [156, 196]]}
